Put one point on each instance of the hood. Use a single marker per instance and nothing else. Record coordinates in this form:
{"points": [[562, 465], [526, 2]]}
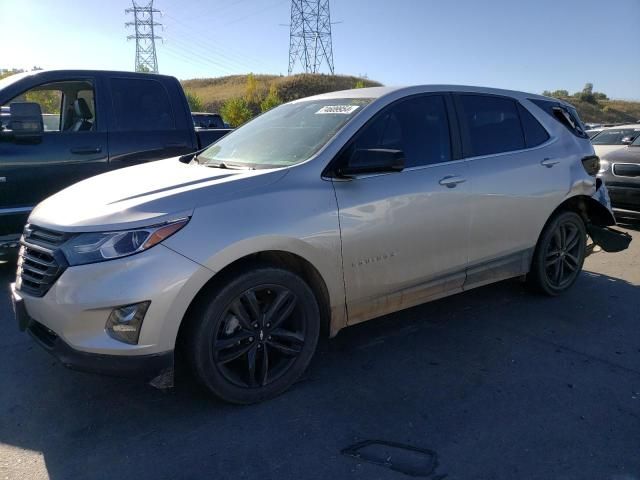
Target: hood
{"points": [[603, 151], [143, 195], [625, 155]]}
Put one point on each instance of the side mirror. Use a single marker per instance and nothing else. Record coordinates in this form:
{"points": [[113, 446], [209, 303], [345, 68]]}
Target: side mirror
{"points": [[25, 121], [373, 160], [627, 140]]}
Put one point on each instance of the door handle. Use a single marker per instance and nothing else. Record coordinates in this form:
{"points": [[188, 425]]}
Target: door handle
{"points": [[86, 150], [549, 162], [450, 181]]}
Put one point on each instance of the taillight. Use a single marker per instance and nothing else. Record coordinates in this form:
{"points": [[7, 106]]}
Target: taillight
{"points": [[591, 164]]}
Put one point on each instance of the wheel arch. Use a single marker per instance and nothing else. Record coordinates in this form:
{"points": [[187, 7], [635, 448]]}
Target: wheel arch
{"points": [[590, 209], [273, 258]]}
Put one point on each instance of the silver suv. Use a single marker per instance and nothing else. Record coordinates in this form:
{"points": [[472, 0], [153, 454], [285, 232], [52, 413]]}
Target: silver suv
{"points": [[322, 213]]}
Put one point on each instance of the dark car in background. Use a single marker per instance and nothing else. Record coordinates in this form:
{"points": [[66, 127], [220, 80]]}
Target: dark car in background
{"points": [[60, 127], [620, 171], [208, 120]]}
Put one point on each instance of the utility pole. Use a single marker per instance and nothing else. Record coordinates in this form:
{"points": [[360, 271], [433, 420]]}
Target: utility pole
{"points": [[144, 25], [310, 35]]}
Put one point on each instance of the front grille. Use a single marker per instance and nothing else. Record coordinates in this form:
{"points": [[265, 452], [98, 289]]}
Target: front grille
{"points": [[626, 170], [40, 261]]}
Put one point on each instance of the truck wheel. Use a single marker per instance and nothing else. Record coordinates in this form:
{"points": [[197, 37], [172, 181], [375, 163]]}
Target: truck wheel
{"points": [[254, 336], [559, 254]]}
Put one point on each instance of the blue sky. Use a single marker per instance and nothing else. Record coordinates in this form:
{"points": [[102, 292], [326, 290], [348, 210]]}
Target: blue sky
{"points": [[529, 45]]}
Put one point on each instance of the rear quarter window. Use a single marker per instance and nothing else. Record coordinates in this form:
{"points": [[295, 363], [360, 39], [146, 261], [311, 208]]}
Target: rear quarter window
{"points": [[564, 114], [534, 132]]}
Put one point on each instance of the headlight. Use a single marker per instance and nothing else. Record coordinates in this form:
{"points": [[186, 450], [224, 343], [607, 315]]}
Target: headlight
{"points": [[101, 246], [604, 166]]}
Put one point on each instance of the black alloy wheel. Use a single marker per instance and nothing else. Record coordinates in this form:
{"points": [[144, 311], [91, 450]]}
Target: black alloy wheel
{"points": [[559, 254], [252, 336]]}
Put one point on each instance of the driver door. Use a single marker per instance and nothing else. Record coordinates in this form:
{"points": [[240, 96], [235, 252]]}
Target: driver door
{"points": [[404, 235]]}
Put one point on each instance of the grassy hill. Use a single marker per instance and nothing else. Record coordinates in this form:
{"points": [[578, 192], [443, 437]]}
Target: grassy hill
{"points": [[606, 111], [213, 92]]}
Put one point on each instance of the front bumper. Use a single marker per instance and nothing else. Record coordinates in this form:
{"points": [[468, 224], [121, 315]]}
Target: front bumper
{"points": [[69, 320], [146, 367]]}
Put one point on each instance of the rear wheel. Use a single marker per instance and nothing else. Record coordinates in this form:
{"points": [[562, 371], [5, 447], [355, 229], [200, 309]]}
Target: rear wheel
{"points": [[559, 255], [255, 336]]}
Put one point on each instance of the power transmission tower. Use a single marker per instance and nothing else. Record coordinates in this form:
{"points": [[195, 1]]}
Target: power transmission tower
{"points": [[310, 35], [146, 59]]}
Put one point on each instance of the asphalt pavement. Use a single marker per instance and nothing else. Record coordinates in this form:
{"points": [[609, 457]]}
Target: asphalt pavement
{"points": [[496, 383]]}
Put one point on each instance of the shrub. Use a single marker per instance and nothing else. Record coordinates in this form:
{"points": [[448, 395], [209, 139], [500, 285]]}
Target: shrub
{"points": [[271, 100], [194, 101], [236, 111]]}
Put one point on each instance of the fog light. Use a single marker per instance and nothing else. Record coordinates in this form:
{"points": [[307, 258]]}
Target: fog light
{"points": [[124, 323]]}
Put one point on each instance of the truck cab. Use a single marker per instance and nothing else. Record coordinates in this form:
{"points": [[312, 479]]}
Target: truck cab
{"points": [[60, 127]]}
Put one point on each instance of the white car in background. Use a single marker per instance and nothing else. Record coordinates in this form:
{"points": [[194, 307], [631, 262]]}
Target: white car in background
{"points": [[614, 138]]}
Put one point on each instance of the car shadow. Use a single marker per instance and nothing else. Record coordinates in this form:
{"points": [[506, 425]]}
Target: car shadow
{"points": [[419, 376]]}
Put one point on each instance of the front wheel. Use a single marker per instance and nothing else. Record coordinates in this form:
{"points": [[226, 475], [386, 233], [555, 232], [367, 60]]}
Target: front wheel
{"points": [[255, 336], [559, 255]]}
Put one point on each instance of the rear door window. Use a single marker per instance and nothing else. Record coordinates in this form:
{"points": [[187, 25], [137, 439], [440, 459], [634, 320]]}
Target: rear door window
{"points": [[534, 132], [491, 124], [141, 105]]}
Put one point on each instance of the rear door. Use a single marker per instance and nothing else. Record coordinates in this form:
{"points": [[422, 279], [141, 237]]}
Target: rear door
{"points": [[518, 175], [146, 124], [404, 235], [73, 147]]}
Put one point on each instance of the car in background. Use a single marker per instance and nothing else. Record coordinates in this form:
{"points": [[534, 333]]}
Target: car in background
{"points": [[613, 138], [592, 132], [620, 171], [208, 120]]}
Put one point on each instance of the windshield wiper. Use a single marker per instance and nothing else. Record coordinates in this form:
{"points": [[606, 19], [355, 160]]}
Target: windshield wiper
{"points": [[228, 166]]}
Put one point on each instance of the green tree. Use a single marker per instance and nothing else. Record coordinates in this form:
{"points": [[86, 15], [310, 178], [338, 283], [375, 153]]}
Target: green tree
{"points": [[359, 84], [271, 100], [236, 111], [586, 95], [194, 101]]}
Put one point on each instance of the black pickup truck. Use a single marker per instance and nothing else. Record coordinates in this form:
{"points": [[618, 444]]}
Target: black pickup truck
{"points": [[60, 127]]}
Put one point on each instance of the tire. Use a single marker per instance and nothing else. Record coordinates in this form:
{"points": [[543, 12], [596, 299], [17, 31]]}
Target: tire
{"points": [[253, 337], [559, 254]]}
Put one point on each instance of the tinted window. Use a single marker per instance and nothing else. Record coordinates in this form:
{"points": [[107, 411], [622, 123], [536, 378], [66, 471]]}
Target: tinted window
{"points": [[141, 105], [534, 133], [492, 124], [418, 126]]}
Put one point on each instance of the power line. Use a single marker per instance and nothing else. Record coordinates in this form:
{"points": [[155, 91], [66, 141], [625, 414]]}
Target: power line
{"points": [[310, 35], [208, 47], [146, 59]]}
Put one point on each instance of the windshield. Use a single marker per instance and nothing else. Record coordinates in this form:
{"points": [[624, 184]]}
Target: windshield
{"points": [[636, 142], [615, 136], [284, 136]]}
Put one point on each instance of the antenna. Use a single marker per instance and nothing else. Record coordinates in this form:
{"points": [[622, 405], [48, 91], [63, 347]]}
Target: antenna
{"points": [[146, 59], [310, 35]]}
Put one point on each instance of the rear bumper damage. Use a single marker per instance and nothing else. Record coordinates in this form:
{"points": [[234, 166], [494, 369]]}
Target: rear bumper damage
{"points": [[600, 220]]}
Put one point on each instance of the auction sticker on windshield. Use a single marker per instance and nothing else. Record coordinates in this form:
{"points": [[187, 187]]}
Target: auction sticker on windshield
{"points": [[343, 109]]}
